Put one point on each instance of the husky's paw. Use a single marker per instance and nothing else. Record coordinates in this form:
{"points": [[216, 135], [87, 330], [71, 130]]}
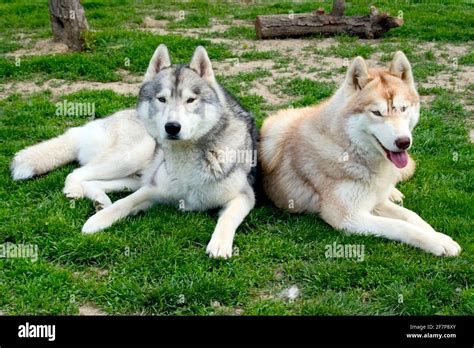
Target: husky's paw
{"points": [[442, 245], [73, 192], [97, 222], [219, 248], [99, 198], [101, 203], [396, 196], [73, 189]]}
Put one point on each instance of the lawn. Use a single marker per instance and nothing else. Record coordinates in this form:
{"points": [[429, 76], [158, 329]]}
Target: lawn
{"points": [[155, 263]]}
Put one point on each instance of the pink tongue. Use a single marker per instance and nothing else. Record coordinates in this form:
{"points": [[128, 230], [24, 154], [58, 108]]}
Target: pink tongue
{"points": [[400, 159]]}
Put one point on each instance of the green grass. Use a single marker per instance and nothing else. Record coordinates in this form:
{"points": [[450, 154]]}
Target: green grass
{"points": [[155, 263], [239, 84], [308, 91], [436, 20], [112, 50], [468, 59], [189, 20], [347, 50], [235, 32], [8, 46], [428, 20], [347, 47], [424, 69], [259, 55], [156, 259]]}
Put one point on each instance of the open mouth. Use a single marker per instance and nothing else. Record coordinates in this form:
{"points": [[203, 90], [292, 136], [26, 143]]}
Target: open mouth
{"points": [[399, 158]]}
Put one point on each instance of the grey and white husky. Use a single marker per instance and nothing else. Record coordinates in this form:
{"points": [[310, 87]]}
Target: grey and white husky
{"points": [[187, 143]]}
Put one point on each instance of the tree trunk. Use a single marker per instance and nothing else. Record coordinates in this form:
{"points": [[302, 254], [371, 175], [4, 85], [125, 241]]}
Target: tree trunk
{"points": [[338, 7], [369, 26], [68, 22]]}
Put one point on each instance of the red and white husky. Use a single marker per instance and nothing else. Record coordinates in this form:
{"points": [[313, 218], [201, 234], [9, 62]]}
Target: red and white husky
{"points": [[342, 157]]}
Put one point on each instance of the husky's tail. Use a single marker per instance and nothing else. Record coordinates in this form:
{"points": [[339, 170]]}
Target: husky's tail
{"points": [[46, 156]]}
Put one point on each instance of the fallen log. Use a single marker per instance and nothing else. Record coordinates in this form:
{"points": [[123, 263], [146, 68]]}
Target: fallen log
{"points": [[370, 26]]}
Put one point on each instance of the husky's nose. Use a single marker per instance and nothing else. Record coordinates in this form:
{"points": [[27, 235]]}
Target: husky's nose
{"points": [[403, 143], [172, 128]]}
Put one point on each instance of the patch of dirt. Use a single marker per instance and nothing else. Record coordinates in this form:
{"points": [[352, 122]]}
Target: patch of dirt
{"points": [[328, 68], [91, 310], [149, 22], [92, 271], [456, 80], [289, 294], [58, 87], [279, 273], [470, 109], [264, 295], [234, 67], [215, 26], [311, 67], [157, 31], [471, 135], [260, 88], [291, 46], [175, 14], [224, 310], [128, 77], [99, 271], [41, 47], [230, 42], [425, 100], [454, 51], [24, 39], [299, 60]]}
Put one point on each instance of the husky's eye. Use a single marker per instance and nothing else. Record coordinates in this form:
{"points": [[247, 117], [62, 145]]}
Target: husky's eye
{"points": [[376, 113], [190, 100], [403, 108], [162, 99]]}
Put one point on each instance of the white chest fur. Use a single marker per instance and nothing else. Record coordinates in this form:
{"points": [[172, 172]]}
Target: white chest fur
{"points": [[186, 179]]}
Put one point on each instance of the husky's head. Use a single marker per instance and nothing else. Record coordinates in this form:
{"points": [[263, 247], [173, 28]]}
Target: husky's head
{"points": [[179, 103], [383, 107]]}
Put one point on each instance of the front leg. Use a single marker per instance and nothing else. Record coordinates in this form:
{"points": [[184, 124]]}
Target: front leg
{"points": [[231, 216], [392, 210], [138, 200], [96, 190], [402, 231], [109, 167]]}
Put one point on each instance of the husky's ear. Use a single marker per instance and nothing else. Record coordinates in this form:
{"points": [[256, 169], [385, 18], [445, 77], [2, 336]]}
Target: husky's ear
{"points": [[202, 64], [401, 67], [357, 74], [160, 60]]}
